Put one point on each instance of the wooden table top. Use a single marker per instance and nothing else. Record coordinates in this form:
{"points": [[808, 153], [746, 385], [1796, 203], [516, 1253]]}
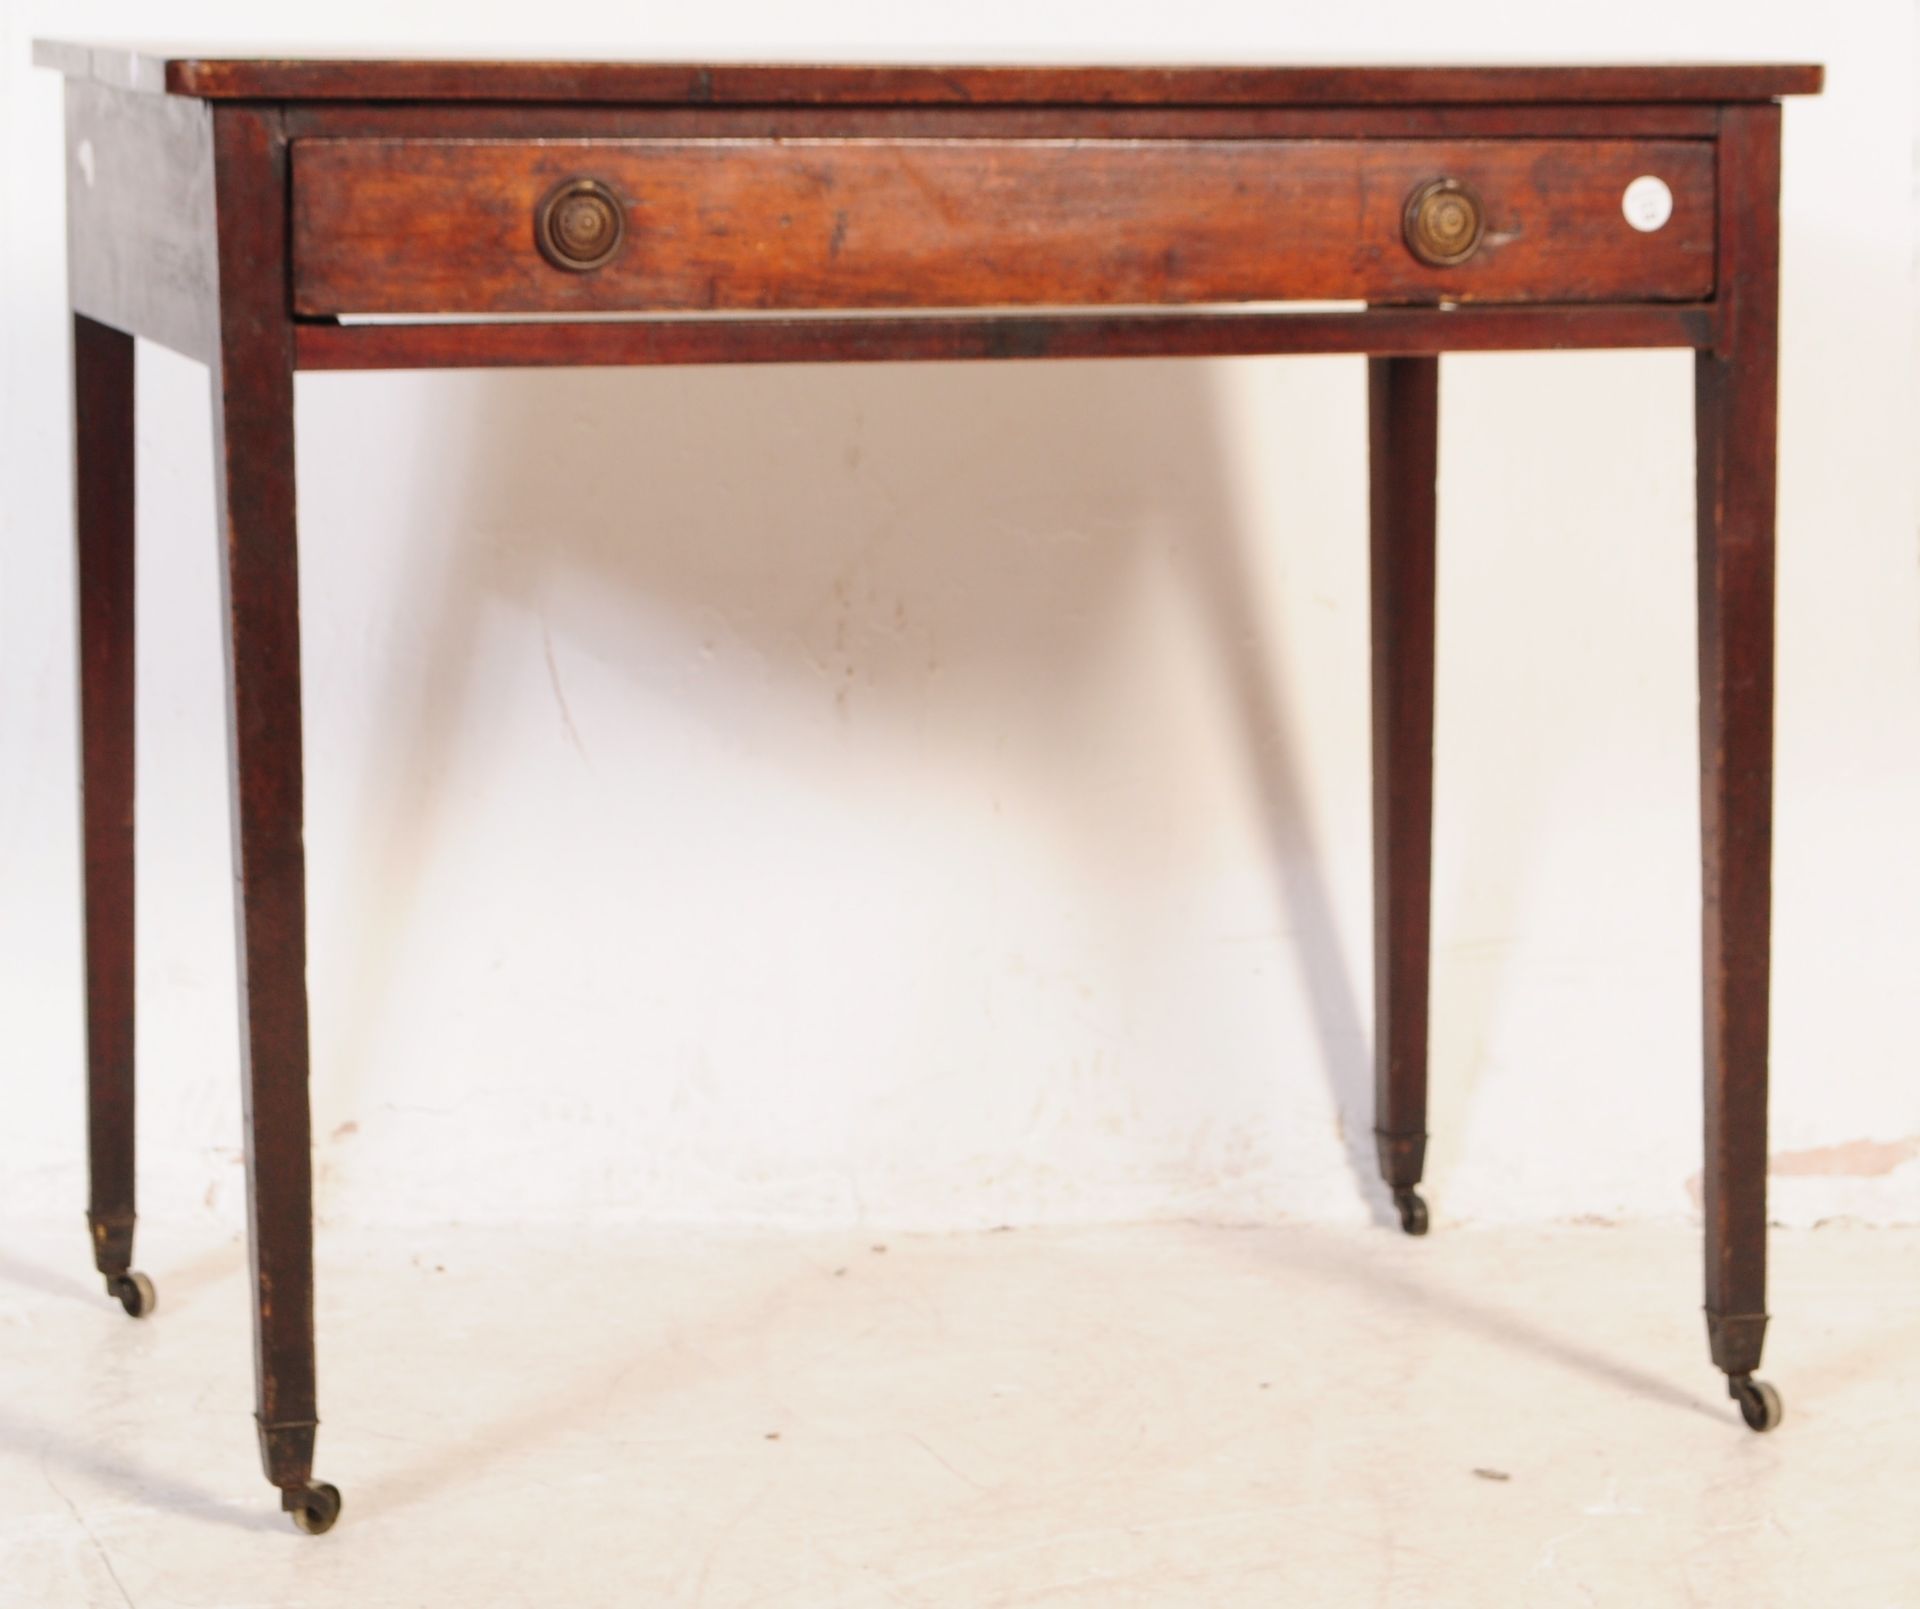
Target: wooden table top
{"points": [[215, 75]]}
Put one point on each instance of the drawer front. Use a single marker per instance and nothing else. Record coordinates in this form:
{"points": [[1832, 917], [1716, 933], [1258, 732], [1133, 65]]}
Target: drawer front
{"points": [[634, 225]]}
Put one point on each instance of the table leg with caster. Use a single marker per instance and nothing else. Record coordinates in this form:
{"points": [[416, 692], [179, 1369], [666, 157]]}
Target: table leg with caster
{"points": [[1403, 403], [103, 527], [253, 438], [1735, 403]]}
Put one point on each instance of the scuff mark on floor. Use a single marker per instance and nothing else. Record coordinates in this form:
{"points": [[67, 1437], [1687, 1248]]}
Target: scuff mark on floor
{"points": [[79, 1519], [559, 693]]}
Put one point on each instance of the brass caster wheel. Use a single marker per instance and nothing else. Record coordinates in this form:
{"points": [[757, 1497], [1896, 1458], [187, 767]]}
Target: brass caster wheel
{"points": [[1413, 1211], [314, 1507], [134, 1292], [1759, 1403]]}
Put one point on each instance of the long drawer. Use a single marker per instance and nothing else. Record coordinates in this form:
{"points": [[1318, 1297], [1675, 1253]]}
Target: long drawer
{"points": [[633, 225]]}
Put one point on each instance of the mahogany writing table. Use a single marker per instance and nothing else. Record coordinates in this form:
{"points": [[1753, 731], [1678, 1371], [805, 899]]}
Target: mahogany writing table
{"points": [[245, 212]]}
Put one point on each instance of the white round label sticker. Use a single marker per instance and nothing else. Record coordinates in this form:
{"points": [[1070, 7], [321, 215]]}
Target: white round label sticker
{"points": [[1648, 203]]}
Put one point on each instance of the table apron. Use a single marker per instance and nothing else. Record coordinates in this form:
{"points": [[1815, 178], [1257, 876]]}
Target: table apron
{"points": [[437, 226]]}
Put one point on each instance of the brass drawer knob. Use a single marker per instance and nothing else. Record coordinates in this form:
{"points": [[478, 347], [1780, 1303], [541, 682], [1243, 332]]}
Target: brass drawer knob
{"points": [[580, 225], [1444, 223]]}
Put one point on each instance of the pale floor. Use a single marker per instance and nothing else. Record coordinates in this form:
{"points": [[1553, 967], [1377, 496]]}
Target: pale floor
{"points": [[1159, 1416]]}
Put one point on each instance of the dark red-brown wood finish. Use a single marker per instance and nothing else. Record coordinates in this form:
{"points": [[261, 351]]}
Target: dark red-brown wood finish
{"points": [[435, 225], [253, 435], [240, 210], [1403, 405], [1735, 386], [320, 77], [103, 524]]}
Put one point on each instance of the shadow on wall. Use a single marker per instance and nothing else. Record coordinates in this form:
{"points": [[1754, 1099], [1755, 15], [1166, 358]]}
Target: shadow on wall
{"points": [[1006, 501]]}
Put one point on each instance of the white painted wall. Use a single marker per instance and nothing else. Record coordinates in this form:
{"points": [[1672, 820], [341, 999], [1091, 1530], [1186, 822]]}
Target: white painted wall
{"points": [[938, 795]]}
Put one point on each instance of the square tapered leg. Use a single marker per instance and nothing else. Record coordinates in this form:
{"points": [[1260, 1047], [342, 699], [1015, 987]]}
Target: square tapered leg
{"points": [[103, 526], [1403, 399]]}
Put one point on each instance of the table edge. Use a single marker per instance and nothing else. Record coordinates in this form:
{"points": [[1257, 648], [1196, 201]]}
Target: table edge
{"points": [[208, 77]]}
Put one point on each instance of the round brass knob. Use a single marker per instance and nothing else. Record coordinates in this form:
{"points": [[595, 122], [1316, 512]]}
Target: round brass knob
{"points": [[1444, 223], [580, 225]]}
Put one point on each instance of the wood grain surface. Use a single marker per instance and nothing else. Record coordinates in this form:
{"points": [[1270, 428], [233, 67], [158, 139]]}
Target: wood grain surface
{"points": [[1403, 471], [323, 76], [103, 361], [1736, 430], [446, 226], [565, 120], [994, 337], [260, 575]]}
